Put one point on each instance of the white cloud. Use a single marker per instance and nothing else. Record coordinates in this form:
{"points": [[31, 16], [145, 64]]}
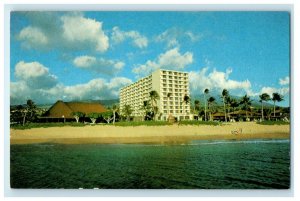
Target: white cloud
{"points": [[216, 80], [84, 61], [34, 81], [171, 59], [193, 37], [35, 75], [68, 32], [98, 65], [82, 31], [170, 37], [173, 35], [138, 40], [32, 37], [284, 81], [270, 90], [96, 89]]}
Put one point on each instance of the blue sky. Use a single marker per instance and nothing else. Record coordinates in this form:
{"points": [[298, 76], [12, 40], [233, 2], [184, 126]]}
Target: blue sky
{"points": [[91, 55]]}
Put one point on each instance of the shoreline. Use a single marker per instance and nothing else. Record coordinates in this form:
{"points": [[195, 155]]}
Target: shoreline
{"points": [[173, 134]]}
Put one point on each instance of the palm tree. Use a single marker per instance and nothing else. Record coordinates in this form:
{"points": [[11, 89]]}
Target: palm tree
{"points": [[168, 105], [153, 98], [31, 108], [225, 93], [233, 103], [228, 104], [246, 102], [210, 101], [186, 100], [127, 111], [206, 91], [263, 97], [145, 107], [276, 97], [196, 105]]}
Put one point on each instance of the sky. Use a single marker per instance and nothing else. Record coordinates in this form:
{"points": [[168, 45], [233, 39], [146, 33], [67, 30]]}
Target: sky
{"points": [[91, 55]]}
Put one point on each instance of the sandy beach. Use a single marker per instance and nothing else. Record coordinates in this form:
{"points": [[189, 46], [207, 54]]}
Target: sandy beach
{"points": [[147, 134]]}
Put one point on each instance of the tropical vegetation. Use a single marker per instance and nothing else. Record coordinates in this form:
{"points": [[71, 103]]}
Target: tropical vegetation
{"points": [[263, 98], [276, 98], [206, 91], [232, 109]]}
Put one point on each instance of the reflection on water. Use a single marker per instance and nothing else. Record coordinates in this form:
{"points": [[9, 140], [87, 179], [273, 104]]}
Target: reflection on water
{"points": [[251, 164]]}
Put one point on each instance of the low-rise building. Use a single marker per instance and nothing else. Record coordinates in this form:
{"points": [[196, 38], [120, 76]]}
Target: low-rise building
{"points": [[64, 110]]}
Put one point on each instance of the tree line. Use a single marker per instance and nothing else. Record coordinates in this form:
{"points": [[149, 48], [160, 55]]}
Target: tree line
{"points": [[30, 112], [229, 104]]}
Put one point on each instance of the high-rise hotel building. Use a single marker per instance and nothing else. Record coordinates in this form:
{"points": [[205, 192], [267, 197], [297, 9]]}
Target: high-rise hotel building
{"points": [[171, 86]]}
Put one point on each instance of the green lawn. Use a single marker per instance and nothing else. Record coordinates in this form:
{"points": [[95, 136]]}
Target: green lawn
{"points": [[134, 123], [199, 123], [123, 123], [274, 123]]}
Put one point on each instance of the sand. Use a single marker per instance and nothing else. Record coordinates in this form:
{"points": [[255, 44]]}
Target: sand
{"points": [[107, 134]]}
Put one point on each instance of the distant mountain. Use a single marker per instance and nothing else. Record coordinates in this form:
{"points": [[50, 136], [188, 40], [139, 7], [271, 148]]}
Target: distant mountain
{"points": [[106, 103]]}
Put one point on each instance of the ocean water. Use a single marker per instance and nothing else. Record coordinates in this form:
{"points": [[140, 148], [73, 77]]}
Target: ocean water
{"points": [[248, 164]]}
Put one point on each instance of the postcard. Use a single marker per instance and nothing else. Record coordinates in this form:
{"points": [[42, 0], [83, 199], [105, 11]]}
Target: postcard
{"points": [[150, 100]]}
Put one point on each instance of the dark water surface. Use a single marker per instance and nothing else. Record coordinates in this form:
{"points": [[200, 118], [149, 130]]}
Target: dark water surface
{"points": [[251, 164]]}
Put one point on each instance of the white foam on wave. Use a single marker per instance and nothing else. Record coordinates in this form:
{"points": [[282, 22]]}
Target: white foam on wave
{"points": [[241, 142], [197, 143]]}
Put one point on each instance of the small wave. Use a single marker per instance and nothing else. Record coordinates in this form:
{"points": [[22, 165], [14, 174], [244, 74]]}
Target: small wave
{"points": [[202, 142], [240, 142]]}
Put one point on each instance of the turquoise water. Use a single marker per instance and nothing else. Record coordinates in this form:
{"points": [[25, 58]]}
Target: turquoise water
{"points": [[253, 164]]}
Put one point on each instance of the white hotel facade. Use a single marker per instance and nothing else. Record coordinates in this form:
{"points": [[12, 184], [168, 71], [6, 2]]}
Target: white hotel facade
{"points": [[174, 83]]}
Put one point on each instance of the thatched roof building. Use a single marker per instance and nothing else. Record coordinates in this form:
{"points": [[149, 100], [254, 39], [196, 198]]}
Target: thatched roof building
{"points": [[65, 109]]}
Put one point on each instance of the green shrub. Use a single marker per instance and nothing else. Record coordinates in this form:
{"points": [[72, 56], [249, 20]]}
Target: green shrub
{"points": [[273, 123], [142, 123], [198, 123]]}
